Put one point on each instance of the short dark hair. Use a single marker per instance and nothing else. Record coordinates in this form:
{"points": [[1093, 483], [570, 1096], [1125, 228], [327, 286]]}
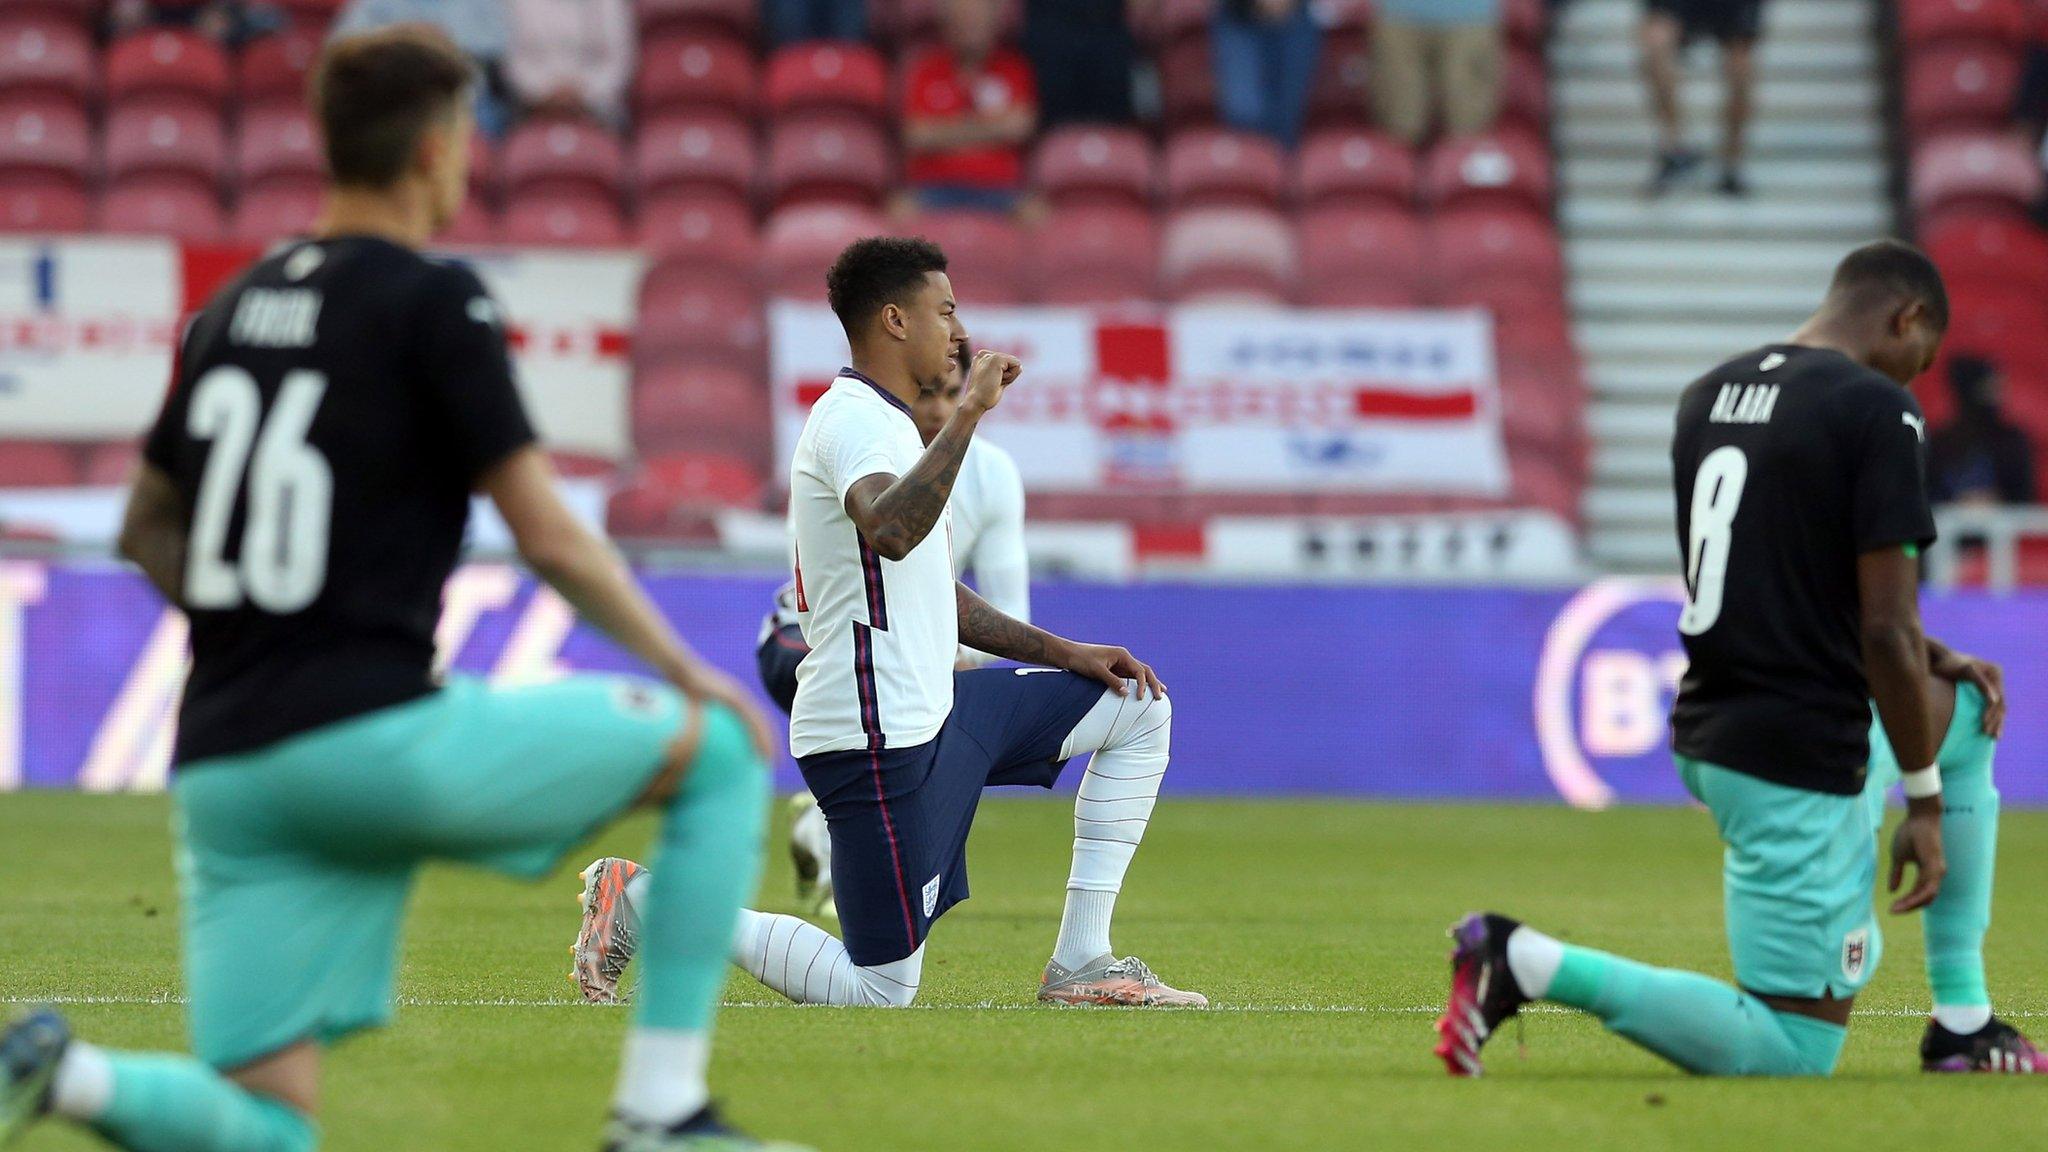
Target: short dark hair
{"points": [[1889, 270], [875, 271], [375, 93]]}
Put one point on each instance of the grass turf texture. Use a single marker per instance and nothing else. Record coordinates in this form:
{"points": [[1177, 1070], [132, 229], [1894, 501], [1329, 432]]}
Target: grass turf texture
{"points": [[1317, 928]]}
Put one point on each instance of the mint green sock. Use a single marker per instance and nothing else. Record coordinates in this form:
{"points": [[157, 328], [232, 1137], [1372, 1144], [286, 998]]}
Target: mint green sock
{"points": [[167, 1103], [704, 869], [1956, 922], [1699, 1024]]}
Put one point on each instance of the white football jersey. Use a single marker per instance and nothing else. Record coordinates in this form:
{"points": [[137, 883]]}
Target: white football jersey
{"points": [[882, 632]]}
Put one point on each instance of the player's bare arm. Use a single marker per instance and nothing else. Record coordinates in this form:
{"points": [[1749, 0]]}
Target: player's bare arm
{"points": [[1959, 668], [1895, 656], [984, 627], [594, 579], [153, 531], [895, 513]]}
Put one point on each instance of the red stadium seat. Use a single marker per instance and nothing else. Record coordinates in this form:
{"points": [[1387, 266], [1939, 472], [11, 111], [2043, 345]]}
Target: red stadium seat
{"points": [[581, 219], [314, 11], [1174, 20], [800, 242], [984, 255], [1525, 92], [274, 68], [828, 158], [47, 55], [1497, 168], [697, 153], [827, 76], [1983, 250], [1222, 167], [696, 73], [1474, 246], [164, 62], [278, 144], [34, 464], [1974, 170], [700, 312], [1354, 167], [84, 13], [46, 137], [43, 204], [1960, 86], [684, 406], [563, 156], [1095, 164], [173, 207], [111, 465], [1370, 257], [1540, 411], [1527, 22], [146, 138], [1545, 480], [1926, 22], [1095, 255], [676, 495], [274, 212], [702, 230], [731, 17], [484, 177], [1227, 253], [1342, 94], [1187, 83], [477, 223]]}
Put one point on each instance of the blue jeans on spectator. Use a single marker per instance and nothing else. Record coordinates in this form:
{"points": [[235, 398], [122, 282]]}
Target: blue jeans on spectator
{"points": [[1264, 71], [965, 198], [793, 21]]}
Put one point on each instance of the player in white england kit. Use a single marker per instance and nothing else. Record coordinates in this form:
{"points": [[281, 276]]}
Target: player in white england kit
{"points": [[896, 743], [987, 509]]}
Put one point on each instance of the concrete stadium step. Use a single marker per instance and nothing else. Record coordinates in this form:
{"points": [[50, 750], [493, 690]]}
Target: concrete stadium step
{"points": [[1644, 506], [1779, 178], [1633, 464], [1801, 18], [1781, 58], [1628, 420], [1848, 220], [1639, 259], [1736, 300], [1768, 138], [1637, 551], [1702, 98]]}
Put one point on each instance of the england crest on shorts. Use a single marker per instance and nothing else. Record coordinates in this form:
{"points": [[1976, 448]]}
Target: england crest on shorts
{"points": [[931, 896]]}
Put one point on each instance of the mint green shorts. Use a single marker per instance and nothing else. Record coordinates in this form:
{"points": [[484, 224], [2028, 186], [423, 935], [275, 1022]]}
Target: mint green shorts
{"points": [[1963, 743], [296, 860], [1798, 875]]}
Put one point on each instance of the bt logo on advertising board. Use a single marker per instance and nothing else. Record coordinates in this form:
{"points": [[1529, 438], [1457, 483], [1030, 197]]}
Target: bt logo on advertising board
{"points": [[1610, 665]]}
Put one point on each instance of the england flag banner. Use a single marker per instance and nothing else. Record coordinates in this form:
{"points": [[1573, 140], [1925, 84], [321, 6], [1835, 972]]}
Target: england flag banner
{"points": [[1213, 398]]}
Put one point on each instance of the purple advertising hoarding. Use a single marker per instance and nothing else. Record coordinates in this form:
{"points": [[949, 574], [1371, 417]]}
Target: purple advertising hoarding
{"points": [[1365, 691]]}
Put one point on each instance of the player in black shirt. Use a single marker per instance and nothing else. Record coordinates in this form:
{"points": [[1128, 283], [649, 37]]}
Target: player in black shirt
{"points": [[1802, 507], [303, 500]]}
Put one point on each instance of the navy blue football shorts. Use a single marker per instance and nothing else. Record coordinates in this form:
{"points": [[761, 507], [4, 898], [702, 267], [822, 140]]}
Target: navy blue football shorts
{"points": [[777, 657], [899, 817]]}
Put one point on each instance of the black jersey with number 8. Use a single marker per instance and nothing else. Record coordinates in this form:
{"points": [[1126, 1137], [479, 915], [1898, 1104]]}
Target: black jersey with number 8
{"points": [[330, 414], [1788, 463]]}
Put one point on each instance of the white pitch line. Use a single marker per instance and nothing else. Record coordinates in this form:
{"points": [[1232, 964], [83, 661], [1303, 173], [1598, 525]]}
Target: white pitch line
{"points": [[1240, 1009]]}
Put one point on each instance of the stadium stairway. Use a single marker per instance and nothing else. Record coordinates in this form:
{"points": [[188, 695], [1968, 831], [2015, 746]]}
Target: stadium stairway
{"points": [[1661, 291]]}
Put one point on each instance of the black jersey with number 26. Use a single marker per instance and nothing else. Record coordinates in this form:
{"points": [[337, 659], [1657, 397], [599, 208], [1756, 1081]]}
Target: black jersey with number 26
{"points": [[1788, 463], [330, 414]]}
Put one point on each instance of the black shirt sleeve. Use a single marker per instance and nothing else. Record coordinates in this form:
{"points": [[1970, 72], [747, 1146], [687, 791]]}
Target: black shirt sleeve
{"points": [[1888, 459], [468, 372], [160, 447]]}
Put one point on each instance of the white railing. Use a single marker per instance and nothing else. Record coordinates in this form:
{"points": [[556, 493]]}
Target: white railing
{"points": [[2001, 530]]}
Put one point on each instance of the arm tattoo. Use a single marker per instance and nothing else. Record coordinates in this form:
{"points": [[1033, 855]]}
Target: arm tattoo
{"points": [[985, 628], [903, 514]]}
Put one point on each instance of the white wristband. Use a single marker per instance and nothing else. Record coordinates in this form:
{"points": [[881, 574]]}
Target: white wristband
{"points": [[1922, 784]]}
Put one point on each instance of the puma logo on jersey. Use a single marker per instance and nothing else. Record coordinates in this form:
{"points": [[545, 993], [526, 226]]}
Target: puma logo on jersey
{"points": [[1744, 404], [1770, 361], [1918, 425]]}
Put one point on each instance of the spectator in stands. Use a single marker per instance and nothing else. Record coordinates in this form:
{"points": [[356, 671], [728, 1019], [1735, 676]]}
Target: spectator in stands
{"points": [[970, 106], [1980, 457], [1083, 55], [478, 27], [1668, 27], [571, 57], [1264, 52], [229, 23], [1437, 62], [2032, 104], [791, 21]]}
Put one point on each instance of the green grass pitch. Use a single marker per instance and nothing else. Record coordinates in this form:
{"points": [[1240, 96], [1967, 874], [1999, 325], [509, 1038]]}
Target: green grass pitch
{"points": [[1316, 927]]}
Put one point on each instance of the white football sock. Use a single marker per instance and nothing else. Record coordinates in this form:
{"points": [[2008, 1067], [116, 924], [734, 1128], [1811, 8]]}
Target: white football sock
{"points": [[636, 893], [1130, 737], [661, 1078], [83, 1086], [1963, 1019], [1532, 960], [810, 966]]}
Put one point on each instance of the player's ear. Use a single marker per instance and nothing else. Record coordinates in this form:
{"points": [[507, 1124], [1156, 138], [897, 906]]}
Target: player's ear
{"points": [[1909, 314], [894, 322]]}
